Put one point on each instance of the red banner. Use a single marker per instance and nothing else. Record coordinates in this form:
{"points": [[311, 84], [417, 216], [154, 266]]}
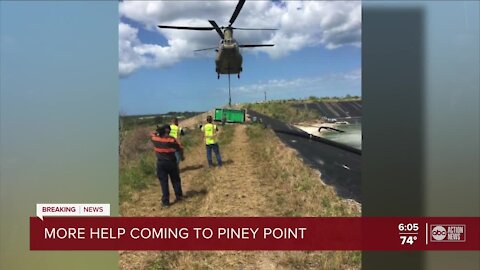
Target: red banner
{"points": [[254, 233]]}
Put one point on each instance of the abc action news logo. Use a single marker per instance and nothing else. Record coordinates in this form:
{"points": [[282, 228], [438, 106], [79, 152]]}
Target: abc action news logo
{"points": [[448, 232]]}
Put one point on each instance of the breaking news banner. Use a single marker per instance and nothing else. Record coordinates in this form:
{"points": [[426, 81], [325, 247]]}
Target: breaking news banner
{"points": [[72, 209], [252, 233]]}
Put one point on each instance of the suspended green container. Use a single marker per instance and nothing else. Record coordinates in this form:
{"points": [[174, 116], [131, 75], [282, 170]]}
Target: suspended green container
{"points": [[231, 116]]}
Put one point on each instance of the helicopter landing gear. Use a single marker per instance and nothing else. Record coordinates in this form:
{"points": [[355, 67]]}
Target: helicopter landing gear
{"points": [[238, 75], [218, 76]]}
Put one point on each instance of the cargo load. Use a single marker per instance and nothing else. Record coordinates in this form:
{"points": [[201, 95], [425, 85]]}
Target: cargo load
{"points": [[231, 115]]}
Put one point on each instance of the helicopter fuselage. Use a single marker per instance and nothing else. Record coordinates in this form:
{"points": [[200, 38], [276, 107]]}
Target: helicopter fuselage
{"points": [[228, 59]]}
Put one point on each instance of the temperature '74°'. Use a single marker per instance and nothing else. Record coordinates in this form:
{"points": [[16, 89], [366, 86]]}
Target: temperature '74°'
{"points": [[408, 239]]}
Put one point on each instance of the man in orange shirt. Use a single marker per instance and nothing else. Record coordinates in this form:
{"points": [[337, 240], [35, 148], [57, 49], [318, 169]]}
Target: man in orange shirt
{"points": [[165, 147]]}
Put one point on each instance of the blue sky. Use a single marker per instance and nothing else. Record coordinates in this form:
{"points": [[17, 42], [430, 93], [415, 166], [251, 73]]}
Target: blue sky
{"points": [[313, 56]]}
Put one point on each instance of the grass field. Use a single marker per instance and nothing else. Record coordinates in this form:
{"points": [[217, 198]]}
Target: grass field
{"points": [[285, 110]]}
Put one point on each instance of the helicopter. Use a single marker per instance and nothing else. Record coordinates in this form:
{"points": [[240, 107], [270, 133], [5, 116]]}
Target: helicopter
{"points": [[228, 59]]}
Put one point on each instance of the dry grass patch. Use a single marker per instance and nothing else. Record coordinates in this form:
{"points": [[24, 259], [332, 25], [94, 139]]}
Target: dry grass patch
{"points": [[284, 110]]}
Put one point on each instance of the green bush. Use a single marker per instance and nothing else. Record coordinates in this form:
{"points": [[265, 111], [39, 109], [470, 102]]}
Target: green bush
{"points": [[137, 176], [147, 165]]}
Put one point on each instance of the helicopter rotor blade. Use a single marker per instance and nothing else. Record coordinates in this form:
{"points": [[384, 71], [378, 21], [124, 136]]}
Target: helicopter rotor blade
{"points": [[215, 26], [255, 45], [243, 28], [208, 28], [237, 11], [206, 49]]}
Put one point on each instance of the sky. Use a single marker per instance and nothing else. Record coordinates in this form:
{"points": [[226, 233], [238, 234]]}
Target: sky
{"points": [[317, 52]]}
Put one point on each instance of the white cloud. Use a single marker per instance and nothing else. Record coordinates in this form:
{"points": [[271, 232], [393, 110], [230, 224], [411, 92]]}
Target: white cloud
{"points": [[301, 84], [301, 24], [134, 54], [353, 75]]}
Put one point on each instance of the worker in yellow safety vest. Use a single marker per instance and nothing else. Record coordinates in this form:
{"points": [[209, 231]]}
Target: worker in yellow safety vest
{"points": [[210, 134], [175, 132]]}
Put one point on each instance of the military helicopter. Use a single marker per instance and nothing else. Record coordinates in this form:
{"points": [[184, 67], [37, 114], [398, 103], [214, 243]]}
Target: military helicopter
{"points": [[228, 59]]}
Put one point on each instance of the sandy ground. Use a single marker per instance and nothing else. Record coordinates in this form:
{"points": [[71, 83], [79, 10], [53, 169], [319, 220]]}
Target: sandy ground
{"points": [[192, 122], [234, 190]]}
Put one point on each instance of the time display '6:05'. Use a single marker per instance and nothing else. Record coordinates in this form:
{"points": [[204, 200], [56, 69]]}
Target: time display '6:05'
{"points": [[409, 227]]}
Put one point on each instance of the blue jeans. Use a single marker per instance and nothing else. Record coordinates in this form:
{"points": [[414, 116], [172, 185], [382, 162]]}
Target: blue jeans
{"points": [[216, 150]]}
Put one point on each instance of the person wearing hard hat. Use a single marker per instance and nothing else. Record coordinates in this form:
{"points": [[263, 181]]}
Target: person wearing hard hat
{"points": [[210, 132], [165, 147], [176, 132]]}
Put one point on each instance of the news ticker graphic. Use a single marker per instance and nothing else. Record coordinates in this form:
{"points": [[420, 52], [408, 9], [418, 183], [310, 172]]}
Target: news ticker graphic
{"points": [[255, 233], [72, 209]]}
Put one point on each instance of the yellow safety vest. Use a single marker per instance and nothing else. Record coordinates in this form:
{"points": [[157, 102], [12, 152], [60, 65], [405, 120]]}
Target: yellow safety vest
{"points": [[209, 130], [174, 131]]}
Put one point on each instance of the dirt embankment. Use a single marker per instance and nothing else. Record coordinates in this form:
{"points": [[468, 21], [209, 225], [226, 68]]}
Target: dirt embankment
{"points": [[192, 122]]}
